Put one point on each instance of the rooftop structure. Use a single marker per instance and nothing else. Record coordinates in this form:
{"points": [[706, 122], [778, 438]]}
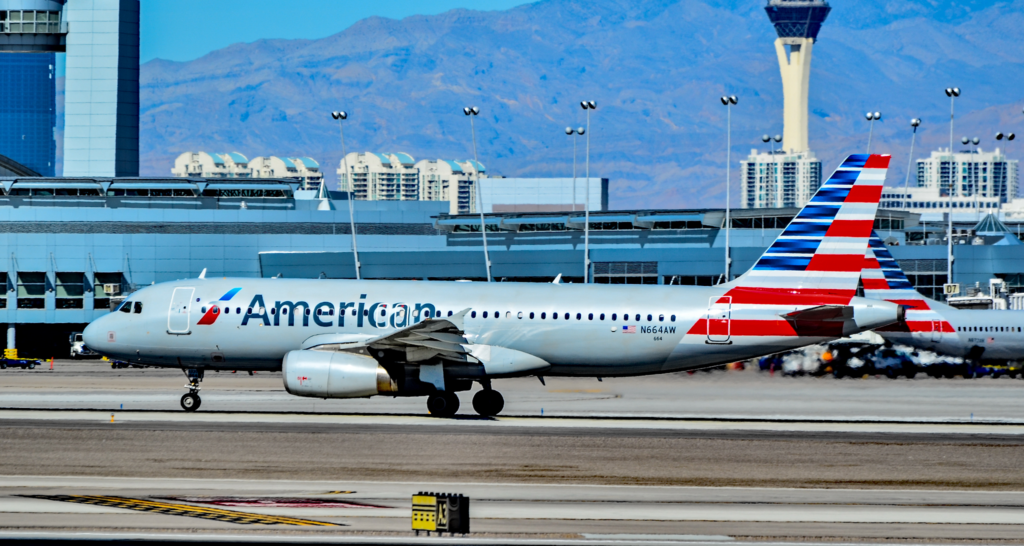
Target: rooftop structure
{"points": [[797, 23], [303, 169], [212, 165]]}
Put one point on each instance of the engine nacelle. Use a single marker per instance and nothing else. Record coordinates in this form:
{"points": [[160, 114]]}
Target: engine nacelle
{"points": [[323, 374]]}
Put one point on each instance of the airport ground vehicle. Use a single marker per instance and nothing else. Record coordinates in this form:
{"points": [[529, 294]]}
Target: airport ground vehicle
{"points": [[352, 339], [23, 363], [78, 348]]}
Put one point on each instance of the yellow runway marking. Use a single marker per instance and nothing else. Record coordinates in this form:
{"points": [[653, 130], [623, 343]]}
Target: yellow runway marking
{"points": [[203, 512]]}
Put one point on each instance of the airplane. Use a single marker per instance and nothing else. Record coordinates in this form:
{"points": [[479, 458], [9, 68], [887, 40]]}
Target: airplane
{"points": [[360, 338], [979, 335]]}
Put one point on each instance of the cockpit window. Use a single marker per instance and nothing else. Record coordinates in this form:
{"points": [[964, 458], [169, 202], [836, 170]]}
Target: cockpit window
{"points": [[138, 307], [126, 307]]}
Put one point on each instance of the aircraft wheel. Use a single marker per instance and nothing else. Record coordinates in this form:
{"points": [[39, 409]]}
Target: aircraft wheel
{"points": [[488, 403], [444, 404], [190, 402]]}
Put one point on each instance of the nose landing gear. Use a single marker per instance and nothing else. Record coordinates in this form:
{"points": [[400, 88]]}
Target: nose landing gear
{"points": [[191, 401]]}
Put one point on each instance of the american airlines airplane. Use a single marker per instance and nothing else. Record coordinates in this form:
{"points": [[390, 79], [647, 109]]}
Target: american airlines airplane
{"points": [[354, 339], [974, 334]]}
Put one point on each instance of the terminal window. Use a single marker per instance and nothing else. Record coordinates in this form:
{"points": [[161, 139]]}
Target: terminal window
{"points": [[3, 299], [31, 290], [70, 290], [626, 272]]}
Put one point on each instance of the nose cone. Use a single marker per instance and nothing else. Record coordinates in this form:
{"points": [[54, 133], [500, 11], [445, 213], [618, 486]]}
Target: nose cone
{"points": [[93, 336]]}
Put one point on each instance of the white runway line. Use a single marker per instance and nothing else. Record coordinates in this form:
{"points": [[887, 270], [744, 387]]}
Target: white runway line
{"points": [[518, 422]]}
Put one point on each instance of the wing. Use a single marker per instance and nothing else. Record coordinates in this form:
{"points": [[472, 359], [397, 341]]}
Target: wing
{"points": [[430, 338]]}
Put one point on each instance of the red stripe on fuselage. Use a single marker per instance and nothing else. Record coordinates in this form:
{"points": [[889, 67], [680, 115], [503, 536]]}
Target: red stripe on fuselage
{"points": [[787, 296], [913, 304], [763, 328]]}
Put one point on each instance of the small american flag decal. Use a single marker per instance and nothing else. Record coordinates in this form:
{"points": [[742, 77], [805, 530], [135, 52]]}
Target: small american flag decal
{"points": [[629, 329]]}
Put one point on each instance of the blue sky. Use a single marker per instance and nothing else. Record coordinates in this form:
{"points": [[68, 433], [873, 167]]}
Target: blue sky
{"points": [[182, 30]]}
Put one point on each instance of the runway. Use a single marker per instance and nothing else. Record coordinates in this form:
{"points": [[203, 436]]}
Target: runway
{"points": [[699, 459]]}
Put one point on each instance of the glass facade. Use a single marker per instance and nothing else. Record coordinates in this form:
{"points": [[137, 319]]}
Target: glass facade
{"points": [[28, 110]]}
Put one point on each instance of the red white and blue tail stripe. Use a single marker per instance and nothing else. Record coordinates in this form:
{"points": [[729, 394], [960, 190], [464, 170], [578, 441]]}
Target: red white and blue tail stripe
{"points": [[884, 280], [818, 258]]}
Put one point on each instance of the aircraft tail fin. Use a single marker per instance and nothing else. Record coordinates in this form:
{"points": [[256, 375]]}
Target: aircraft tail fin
{"points": [[817, 259], [884, 279]]}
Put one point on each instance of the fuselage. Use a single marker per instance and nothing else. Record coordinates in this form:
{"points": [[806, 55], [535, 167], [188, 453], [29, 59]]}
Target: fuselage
{"points": [[592, 330], [979, 334]]}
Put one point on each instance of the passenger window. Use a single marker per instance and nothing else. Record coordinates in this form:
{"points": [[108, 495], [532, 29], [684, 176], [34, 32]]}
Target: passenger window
{"points": [[661, 318], [273, 311], [649, 318], [485, 314], [248, 310], [215, 309], [543, 315], [449, 313], [602, 316], [203, 309], [354, 312], [519, 314], [138, 307], [554, 316], [308, 312], [638, 318], [615, 317], [531, 314], [673, 319], [567, 316], [366, 313], [508, 314], [590, 316], [238, 310], [579, 316], [473, 314]]}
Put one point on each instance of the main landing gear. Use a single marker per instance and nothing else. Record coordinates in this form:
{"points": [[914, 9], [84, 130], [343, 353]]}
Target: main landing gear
{"points": [[487, 402], [191, 401]]}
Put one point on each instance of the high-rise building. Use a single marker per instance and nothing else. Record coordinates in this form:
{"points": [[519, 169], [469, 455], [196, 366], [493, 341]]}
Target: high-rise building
{"points": [[779, 179], [380, 177], [980, 180], [101, 98], [789, 177], [31, 34]]}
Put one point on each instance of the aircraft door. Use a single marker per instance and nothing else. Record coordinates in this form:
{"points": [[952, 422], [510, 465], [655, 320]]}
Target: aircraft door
{"points": [[719, 319], [936, 330], [178, 314]]}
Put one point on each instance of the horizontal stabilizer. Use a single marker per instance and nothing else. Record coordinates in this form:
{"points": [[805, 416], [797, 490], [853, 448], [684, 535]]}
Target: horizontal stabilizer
{"points": [[822, 313]]}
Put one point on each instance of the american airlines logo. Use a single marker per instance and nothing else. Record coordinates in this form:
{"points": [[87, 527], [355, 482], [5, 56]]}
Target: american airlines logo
{"points": [[211, 314], [326, 313]]}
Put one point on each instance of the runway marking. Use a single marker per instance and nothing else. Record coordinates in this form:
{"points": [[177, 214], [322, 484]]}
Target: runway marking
{"points": [[201, 512], [273, 502]]}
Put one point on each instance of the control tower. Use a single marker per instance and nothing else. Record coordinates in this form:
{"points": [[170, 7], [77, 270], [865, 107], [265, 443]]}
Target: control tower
{"points": [[797, 23]]}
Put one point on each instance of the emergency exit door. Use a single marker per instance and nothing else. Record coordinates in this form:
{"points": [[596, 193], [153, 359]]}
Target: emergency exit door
{"points": [[178, 315], [719, 319]]}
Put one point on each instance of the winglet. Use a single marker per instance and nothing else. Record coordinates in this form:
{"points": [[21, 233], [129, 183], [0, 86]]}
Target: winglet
{"points": [[203, 274], [558, 279]]}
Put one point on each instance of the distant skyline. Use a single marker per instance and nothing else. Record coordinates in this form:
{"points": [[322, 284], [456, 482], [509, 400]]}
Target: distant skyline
{"points": [[183, 30]]}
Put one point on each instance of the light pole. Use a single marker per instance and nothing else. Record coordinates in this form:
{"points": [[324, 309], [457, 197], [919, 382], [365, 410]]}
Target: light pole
{"points": [[975, 189], [342, 116], [472, 112], [728, 102], [572, 133], [588, 106], [775, 176], [915, 123], [952, 93], [1006, 170], [872, 117]]}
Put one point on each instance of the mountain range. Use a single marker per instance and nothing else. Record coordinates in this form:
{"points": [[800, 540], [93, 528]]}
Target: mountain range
{"points": [[656, 69]]}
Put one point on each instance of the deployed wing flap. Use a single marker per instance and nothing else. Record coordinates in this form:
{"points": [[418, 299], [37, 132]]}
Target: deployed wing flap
{"points": [[432, 337]]}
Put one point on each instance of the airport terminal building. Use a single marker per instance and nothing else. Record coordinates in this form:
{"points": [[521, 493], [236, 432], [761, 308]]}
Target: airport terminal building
{"points": [[71, 247]]}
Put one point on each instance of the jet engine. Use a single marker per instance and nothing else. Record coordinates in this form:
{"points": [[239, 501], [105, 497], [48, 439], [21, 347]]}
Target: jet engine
{"points": [[322, 374]]}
